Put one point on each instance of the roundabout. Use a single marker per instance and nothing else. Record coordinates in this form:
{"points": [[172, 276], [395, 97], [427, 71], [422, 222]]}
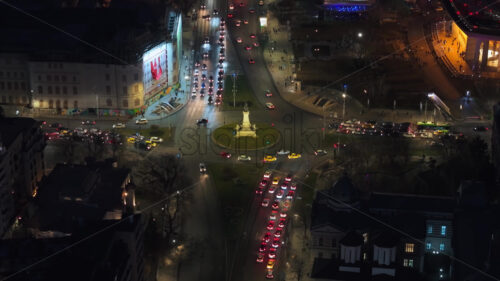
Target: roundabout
{"points": [[225, 136]]}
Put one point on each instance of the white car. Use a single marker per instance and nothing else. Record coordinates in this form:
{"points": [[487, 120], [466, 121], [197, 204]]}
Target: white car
{"points": [[156, 139], [293, 186], [268, 174], [280, 194], [118, 126], [265, 202], [141, 121], [283, 152], [244, 157]]}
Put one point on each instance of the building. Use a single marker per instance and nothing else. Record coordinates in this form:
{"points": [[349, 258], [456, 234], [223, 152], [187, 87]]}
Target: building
{"points": [[356, 238], [476, 29], [115, 254], [89, 72], [22, 165]]}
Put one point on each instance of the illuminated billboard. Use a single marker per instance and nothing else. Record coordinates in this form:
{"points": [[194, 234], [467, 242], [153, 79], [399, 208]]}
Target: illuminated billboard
{"points": [[154, 68]]}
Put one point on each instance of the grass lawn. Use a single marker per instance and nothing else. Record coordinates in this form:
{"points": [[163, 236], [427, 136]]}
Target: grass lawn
{"points": [[166, 133], [243, 94], [235, 186], [266, 136]]}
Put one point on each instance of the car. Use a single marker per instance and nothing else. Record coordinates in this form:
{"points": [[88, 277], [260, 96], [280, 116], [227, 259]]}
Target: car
{"points": [[320, 152], [274, 215], [282, 223], [276, 181], [288, 178], [272, 189], [118, 126], [294, 156], [276, 243], [263, 183], [220, 66], [252, 35], [275, 205], [239, 40], [267, 237], [269, 105], [251, 11], [242, 4], [293, 186], [141, 121], [203, 168], [226, 155], [481, 129], [248, 47], [263, 247], [265, 202], [217, 102], [88, 123], [270, 264], [277, 233], [211, 85], [269, 158], [204, 67], [203, 6], [193, 94], [245, 21], [215, 12], [251, 61], [150, 143], [206, 40], [197, 64], [290, 195], [237, 22], [221, 72], [267, 174], [203, 77], [286, 205], [203, 85], [242, 157], [284, 186], [142, 145], [259, 190], [202, 121], [255, 44], [269, 274], [210, 100], [270, 225], [230, 16], [261, 3], [156, 140], [268, 93], [272, 253], [280, 194], [220, 79], [205, 55], [202, 93], [211, 79], [231, 6], [222, 57], [260, 258], [221, 61]]}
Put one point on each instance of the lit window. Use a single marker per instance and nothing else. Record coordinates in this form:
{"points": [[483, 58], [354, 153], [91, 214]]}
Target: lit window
{"points": [[409, 247], [405, 262], [441, 247], [410, 263], [428, 246], [443, 230], [429, 229]]}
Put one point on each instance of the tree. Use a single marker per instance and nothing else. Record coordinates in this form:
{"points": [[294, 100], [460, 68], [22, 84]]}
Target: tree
{"points": [[163, 176]]}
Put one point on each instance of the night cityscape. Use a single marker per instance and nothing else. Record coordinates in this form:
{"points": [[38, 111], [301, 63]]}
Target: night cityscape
{"points": [[246, 140]]}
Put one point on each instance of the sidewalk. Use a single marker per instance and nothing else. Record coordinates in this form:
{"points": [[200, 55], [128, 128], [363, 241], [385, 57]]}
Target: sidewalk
{"points": [[329, 103]]}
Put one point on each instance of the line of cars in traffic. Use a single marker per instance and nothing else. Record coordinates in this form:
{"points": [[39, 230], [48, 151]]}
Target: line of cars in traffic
{"points": [[237, 22], [204, 83], [277, 194]]}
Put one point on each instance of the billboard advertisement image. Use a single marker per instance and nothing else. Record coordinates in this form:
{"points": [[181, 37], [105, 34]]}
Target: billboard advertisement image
{"points": [[154, 68]]}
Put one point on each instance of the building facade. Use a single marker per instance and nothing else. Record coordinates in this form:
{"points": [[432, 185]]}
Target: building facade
{"points": [[95, 82]]}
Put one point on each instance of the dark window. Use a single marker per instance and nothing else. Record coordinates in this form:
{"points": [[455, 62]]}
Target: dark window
{"points": [[334, 242], [64, 90], [15, 74], [57, 90], [58, 104], [51, 104], [1, 73], [49, 78], [39, 77], [23, 86], [2, 85], [136, 76], [75, 104], [61, 66], [22, 74], [320, 241], [124, 90], [9, 86], [109, 102], [125, 103], [11, 100], [107, 76], [8, 74], [108, 90], [74, 78], [40, 89], [4, 99], [49, 90], [124, 78], [16, 85], [56, 78], [65, 104], [75, 91]]}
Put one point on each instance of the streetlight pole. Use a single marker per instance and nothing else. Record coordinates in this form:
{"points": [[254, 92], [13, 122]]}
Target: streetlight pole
{"points": [[343, 107], [97, 104], [234, 89]]}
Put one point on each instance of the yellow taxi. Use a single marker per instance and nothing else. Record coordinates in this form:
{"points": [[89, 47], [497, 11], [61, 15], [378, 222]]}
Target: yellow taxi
{"points": [[270, 264], [131, 139], [294, 156], [276, 181], [153, 144], [269, 158]]}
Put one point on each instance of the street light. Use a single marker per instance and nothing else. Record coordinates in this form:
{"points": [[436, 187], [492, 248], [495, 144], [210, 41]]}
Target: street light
{"points": [[343, 107], [360, 34]]}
